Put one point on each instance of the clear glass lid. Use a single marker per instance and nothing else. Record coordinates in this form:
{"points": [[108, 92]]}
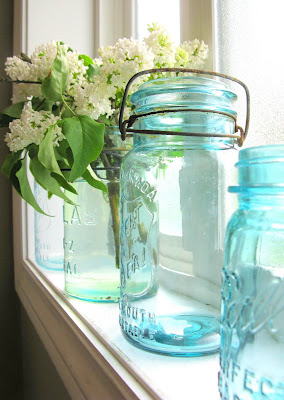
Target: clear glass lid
{"points": [[187, 91]]}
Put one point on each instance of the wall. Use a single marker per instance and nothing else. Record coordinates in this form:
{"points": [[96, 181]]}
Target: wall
{"points": [[10, 369], [40, 378]]}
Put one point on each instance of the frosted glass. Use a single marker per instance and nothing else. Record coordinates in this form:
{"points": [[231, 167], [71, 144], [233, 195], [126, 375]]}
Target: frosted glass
{"points": [[249, 41]]}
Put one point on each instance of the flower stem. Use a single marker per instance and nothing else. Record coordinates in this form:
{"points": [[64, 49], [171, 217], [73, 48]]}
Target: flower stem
{"points": [[16, 81], [66, 105], [113, 202]]}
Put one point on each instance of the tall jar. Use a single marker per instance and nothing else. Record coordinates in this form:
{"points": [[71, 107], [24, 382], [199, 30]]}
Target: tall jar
{"points": [[48, 231], [91, 228], [173, 213], [252, 324]]}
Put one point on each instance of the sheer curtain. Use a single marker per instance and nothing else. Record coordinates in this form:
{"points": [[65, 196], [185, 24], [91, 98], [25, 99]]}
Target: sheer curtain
{"points": [[249, 46]]}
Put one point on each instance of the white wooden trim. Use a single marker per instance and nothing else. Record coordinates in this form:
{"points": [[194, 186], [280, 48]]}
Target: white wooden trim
{"points": [[20, 26], [197, 22], [83, 361], [115, 19], [84, 341]]}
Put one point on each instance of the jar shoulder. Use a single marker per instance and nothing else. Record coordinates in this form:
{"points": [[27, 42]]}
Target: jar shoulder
{"points": [[199, 156], [256, 219], [254, 237]]}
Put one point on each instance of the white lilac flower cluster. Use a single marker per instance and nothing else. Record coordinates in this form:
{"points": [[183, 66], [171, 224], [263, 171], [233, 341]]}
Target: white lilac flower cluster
{"points": [[162, 46], [99, 97], [38, 68], [127, 57], [191, 54], [117, 64], [31, 127]]}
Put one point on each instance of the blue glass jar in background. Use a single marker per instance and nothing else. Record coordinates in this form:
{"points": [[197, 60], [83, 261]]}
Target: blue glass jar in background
{"points": [[91, 228], [48, 231], [252, 323], [173, 213]]}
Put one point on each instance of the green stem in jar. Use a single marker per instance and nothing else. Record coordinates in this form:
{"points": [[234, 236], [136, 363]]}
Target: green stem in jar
{"points": [[113, 194]]}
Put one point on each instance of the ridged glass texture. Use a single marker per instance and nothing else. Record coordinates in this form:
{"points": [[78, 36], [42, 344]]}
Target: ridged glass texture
{"points": [[91, 228], [48, 231], [252, 323], [173, 215]]}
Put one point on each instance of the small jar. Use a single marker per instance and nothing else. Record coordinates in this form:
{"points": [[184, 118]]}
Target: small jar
{"points": [[48, 230], [173, 213], [252, 324], [91, 228]]}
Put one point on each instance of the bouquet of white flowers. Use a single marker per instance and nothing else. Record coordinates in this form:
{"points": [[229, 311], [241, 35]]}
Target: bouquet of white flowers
{"points": [[62, 100]]}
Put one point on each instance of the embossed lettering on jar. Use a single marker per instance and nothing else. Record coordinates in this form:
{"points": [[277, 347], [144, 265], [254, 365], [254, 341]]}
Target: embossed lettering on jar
{"points": [[173, 214], [91, 228], [49, 231], [252, 324]]}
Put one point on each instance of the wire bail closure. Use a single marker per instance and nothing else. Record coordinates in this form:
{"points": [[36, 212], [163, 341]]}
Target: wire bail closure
{"points": [[125, 126]]}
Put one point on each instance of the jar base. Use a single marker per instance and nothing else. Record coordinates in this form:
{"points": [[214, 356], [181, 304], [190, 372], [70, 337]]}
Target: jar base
{"points": [[176, 335], [54, 264], [96, 291]]}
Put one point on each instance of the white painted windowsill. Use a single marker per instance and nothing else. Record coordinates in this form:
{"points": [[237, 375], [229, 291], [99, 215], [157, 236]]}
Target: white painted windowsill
{"points": [[92, 357], [84, 341]]}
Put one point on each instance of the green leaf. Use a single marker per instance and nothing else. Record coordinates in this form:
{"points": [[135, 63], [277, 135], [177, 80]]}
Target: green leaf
{"points": [[90, 177], [61, 149], [66, 174], [10, 161], [67, 113], [56, 110], [25, 189], [13, 178], [46, 180], [42, 104], [10, 113], [5, 121], [92, 71], [62, 164], [54, 85], [104, 120], [86, 139], [47, 158], [46, 154], [63, 182], [60, 158], [14, 110], [33, 150], [87, 59], [69, 156]]}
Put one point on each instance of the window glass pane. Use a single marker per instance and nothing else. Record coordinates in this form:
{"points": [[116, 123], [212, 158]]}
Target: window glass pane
{"points": [[253, 53], [164, 12]]}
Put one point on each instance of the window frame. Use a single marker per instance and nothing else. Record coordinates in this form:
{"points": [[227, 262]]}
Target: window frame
{"points": [[88, 357]]}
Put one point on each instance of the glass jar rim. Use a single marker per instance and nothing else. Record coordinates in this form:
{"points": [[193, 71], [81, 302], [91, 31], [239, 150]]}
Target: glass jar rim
{"points": [[261, 155], [185, 84], [261, 168], [112, 130]]}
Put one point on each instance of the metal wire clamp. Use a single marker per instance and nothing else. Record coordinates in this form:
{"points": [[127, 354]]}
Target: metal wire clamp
{"points": [[125, 126]]}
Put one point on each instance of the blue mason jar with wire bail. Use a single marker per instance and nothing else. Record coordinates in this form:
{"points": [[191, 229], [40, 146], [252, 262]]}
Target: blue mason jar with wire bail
{"points": [[173, 211], [49, 231], [252, 322]]}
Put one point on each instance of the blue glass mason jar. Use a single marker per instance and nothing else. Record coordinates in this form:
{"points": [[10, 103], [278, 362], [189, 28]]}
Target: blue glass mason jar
{"points": [[173, 213], [91, 228], [252, 323], [48, 230]]}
